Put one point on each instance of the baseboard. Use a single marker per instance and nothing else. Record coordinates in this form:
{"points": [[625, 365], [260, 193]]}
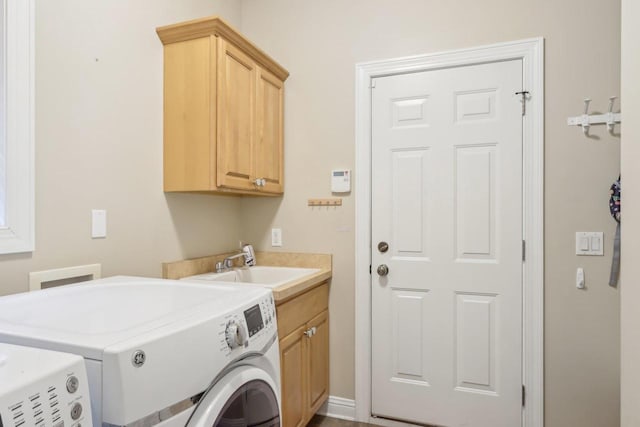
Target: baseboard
{"points": [[338, 407]]}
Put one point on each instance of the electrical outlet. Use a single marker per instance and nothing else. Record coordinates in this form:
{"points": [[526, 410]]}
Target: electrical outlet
{"points": [[276, 237]]}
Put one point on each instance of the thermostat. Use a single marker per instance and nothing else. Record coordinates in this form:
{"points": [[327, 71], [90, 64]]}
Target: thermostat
{"points": [[340, 181]]}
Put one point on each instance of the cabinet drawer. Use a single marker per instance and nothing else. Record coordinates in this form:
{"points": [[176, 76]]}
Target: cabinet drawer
{"points": [[299, 310]]}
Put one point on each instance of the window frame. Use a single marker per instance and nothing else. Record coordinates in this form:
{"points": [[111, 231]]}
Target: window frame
{"points": [[18, 233]]}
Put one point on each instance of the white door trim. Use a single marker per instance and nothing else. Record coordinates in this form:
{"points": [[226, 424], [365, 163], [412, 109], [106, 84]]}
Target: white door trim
{"points": [[531, 52]]}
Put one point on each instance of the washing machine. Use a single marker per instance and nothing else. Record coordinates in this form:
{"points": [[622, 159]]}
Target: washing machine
{"points": [[160, 352]]}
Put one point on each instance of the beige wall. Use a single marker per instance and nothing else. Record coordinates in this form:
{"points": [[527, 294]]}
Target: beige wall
{"points": [[99, 143], [321, 41], [631, 227]]}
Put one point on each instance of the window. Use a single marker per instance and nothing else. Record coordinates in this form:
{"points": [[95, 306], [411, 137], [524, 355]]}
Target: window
{"points": [[3, 121], [17, 34]]}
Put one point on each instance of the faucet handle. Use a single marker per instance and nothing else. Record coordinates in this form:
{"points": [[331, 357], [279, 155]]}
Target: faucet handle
{"points": [[249, 255], [220, 266]]}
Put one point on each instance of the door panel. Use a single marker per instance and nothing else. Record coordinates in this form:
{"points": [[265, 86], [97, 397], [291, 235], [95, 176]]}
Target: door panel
{"points": [[409, 202], [476, 337], [447, 197], [411, 357], [475, 197], [236, 109]]}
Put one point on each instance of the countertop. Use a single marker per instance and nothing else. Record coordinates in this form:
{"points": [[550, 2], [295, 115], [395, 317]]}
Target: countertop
{"points": [[282, 293]]}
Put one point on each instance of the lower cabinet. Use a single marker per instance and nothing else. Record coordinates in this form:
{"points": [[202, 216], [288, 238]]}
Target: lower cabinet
{"points": [[303, 329]]}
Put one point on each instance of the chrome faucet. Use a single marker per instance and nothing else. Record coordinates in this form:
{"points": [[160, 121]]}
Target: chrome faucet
{"points": [[246, 252]]}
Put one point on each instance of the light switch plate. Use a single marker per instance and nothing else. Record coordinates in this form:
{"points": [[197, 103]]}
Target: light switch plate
{"points": [[590, 243], [98, 223], [276, 237]]}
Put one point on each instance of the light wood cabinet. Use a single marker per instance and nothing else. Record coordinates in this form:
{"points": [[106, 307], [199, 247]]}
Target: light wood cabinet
{"points": [[318, 360], [303, 329], [269, 148], [223, 111], [293, 367]]}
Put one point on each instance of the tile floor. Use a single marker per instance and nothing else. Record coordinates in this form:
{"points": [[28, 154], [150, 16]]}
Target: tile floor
{"points": [[320, 421]]}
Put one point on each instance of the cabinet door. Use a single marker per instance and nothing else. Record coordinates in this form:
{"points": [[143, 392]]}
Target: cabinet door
{"points": [[236, 117], [293, 367], [318, 362], [269, 143]]}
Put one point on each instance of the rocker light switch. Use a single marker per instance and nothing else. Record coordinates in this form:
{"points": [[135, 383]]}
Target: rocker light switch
{"points": [[584, 244]]}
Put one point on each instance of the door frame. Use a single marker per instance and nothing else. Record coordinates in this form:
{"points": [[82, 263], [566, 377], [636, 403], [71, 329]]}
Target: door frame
{"points": [[531, 52]]}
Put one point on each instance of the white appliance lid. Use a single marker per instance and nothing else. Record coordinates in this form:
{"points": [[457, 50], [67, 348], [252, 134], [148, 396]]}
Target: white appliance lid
{"points": [[88, 317]]}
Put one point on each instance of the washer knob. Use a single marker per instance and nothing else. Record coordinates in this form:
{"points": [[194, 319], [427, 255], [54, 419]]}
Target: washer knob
{"points": [[72, 384], [76, 411], [235, 334]]}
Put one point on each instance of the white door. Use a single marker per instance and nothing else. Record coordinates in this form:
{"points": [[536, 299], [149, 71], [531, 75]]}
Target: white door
{"points": [[447, 199]]}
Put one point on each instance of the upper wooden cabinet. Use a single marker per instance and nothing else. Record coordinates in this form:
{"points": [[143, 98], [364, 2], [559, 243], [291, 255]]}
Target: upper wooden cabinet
{"points": [[223, 111]]}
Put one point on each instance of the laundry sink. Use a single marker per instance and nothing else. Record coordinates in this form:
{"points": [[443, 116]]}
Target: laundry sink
{"points": [[271, 277]]}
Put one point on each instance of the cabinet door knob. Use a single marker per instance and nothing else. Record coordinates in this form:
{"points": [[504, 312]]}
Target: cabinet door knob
{"points": [[310, 332]]}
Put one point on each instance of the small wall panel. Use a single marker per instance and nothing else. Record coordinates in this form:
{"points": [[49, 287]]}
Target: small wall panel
{"points": [[476, 342], [409, 334], [410, 112], [476, 105], [475, 202], [410, 211]]}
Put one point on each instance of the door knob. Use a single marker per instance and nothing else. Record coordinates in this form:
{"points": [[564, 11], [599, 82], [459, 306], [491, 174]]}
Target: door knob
{"points": [[383, 270], [383, 247]]}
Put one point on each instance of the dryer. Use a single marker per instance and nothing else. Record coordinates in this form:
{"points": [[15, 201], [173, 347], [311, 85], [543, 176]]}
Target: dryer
{"points": [[160, 352], [41, 388]]}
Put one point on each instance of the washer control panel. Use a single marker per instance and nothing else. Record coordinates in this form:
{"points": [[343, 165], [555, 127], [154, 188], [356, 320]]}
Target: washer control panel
{"points": [[251, 325], [42, 388]]}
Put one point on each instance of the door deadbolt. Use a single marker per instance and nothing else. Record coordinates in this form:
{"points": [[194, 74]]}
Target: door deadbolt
{"points": [[383, 247], [383, 270]]}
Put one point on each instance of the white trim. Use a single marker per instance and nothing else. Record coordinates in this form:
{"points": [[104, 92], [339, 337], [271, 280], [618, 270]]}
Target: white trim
{"points": [[37, 278], [531, 52], [18, 234], [339, 407]]}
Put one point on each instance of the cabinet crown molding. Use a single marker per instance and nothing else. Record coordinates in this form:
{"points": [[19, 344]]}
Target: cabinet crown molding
{"points": [[216, 26]]}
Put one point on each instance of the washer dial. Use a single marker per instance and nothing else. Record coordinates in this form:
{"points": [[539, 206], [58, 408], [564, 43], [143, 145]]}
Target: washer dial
{"points": [[235, 334]]}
